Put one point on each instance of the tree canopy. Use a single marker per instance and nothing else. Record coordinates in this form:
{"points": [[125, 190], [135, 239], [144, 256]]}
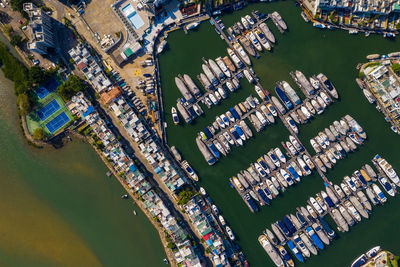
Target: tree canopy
{"points": [[396, 67], [38, 134], [24, 104], [37, 75], [18, 5], [184, 196], [69, 88], [16, 40]]}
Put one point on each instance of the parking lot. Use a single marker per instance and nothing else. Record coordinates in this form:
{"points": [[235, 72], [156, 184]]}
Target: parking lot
{"points": [[101, 19]]}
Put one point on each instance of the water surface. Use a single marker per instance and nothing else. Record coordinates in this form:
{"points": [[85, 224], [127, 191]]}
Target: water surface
{"points": [[335, 53], [60, 209]]}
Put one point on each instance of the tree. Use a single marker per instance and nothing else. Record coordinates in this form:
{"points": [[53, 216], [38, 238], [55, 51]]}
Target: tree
{"points": [[396, 67], [184, 196], [24, 104], [37, 75], [16, 40], [69, 88], [398, 26], [8, 30], [18, 5], [38, 134], [4, 17], [20, 88], [171, 245]]}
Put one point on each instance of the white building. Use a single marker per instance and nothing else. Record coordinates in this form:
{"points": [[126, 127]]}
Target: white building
{"points": [[42, 29]]}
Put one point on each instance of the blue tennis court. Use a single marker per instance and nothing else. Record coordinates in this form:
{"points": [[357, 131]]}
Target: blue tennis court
{"points": [[46, 89], [48, 110], [42, 92], [57, 122]]}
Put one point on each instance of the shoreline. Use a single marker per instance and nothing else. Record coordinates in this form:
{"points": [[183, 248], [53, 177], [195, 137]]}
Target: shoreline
{"points": [[138, 203], [22, 120], [42, 144]]}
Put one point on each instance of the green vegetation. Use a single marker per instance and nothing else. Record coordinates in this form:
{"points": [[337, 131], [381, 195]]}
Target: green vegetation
{"points": [[67, 22], [391, 260], [24, 104], [24, 81], [69, 25], [171, 245], [8, 30], [38, 76], [361, 75], [184, 196], [396, 68], [16, 40], [69, 88], [331, 15], [397, 26], [18, 5], [39, 134], [18, 73], [371, 64]]}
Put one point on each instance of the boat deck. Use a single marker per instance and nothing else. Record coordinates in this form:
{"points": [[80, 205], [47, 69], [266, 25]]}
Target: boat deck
{"points": [[276, 24]]}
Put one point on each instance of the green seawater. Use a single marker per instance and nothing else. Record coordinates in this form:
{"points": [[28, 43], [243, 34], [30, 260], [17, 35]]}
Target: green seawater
{"points": [[303, 47], [58, 208]]}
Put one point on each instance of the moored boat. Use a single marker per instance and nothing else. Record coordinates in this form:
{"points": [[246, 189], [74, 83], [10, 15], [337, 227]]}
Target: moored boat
{"points": [[270, 36], [284, 98], [175, 117], [242, 53], [328, 85], [205, 151], [304, 82], [291, 93], [184, 90], [261, 37], [278, 105], [265, 243], [279, 20], [192, 86], [190, 170]]}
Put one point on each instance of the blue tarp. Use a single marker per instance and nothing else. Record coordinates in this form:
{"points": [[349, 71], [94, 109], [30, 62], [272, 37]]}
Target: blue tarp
{"points": [[132, 168], [88, 111], [158, 170]]}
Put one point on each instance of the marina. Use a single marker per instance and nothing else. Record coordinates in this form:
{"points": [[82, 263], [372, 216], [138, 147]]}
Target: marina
{"points": [[346, 205], [210, 177], [154, 104]]}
